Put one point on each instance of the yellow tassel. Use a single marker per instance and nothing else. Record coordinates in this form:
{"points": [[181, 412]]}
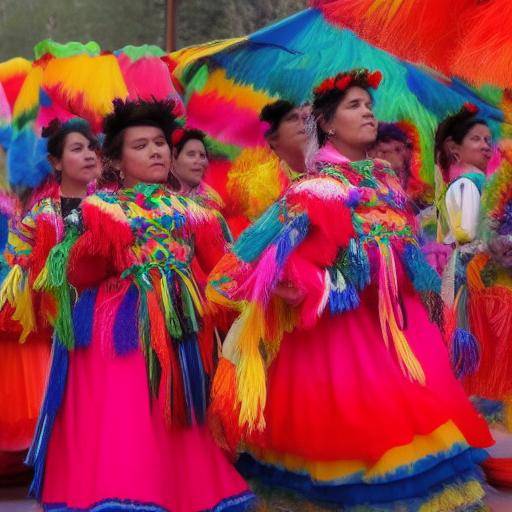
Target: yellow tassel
{"points": [[10, 286], [508, 413], [24, 312], [194, 291], [251, 376], [456, 497], [41, 280], [387, 283]]}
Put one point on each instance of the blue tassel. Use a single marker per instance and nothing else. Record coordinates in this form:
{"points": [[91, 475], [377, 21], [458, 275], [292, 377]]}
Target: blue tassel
{"points": [[83, 314], [256, 238], [51, 404], [292, 236], [465, 353], [424, 278], [345, 300], [357, 265], [194, 380], [126, 324]]}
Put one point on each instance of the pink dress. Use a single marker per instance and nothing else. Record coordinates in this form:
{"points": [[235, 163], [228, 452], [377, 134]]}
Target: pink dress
{"points": [[123, 423]]}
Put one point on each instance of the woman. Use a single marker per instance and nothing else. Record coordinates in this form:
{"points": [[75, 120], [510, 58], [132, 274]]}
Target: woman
{"points": [[333, 375], [123, 417], [27, 313], [190, 159], [463, 150]]}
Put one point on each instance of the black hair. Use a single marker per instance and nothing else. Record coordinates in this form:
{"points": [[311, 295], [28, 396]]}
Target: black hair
{"points": [[56, 133], [455, 127], [273, 114], [388, 132], [189, 135], [126, 114]]}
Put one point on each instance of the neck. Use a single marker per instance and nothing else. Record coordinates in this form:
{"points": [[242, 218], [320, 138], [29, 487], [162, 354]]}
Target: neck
{"points": [[186, 189], [459, 169], [295, 160], [352, 153], [71, 188]]}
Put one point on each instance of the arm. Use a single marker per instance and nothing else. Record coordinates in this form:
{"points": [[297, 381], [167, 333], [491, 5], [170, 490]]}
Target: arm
{"points": [[103, 249]]}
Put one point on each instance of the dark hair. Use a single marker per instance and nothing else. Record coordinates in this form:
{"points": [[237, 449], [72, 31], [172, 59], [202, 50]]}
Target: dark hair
{"points": [[326, 102], [388, 132], [189, 135], [273, 114], [56, 133], [127, 114], [455, 127]]}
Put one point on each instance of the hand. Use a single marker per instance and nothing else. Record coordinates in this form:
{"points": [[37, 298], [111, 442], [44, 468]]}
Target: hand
{"points": [[291, 295]]}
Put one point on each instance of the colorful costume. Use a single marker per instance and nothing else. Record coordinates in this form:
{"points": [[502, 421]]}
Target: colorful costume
{"points": [[490, 305], [347, 398], [459, 217], [26, 316], [122, 423]]}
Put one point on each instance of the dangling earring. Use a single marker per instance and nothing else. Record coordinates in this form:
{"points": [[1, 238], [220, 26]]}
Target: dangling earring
{"points": [[121, 176], [331, 132]]}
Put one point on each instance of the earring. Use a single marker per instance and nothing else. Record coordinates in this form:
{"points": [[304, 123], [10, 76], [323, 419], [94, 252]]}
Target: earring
{"points": [[121, 176], [331, 132]]}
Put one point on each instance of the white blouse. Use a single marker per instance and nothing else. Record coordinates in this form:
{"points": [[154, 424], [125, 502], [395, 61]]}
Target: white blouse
{"points": [[463, 207]]}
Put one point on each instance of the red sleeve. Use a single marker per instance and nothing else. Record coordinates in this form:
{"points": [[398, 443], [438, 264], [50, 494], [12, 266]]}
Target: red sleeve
{"points": [[103, 249]]}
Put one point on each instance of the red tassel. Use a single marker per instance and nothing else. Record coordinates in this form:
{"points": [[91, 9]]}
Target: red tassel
{"points": [[498, 471], [48, 231]]}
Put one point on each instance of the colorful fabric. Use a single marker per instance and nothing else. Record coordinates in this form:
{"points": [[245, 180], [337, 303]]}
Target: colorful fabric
{"points": [[142, 346], [26, 316], [343, 398]]}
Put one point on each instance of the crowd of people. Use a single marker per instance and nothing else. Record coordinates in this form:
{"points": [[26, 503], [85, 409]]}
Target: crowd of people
{"points": [[348, 350]]}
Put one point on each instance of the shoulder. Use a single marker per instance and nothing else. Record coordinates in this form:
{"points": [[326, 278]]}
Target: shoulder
{"points": [[319, 185]]}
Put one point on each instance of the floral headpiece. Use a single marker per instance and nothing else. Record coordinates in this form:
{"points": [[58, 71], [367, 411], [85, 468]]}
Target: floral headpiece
{"points": [[342, 81]]}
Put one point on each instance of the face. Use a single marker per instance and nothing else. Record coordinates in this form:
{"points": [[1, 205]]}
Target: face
{"points": [[291, 134], [191, 163], [397, 154], [475, 148], [145, 157], [353, 123], [79, 162]]}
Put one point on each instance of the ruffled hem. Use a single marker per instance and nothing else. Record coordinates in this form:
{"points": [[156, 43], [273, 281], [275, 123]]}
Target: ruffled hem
{"points": [[239, 503], [454, 481]]}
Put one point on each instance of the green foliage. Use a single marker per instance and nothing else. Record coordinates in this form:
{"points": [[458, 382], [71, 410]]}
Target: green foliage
{"points": [[117, 23]]}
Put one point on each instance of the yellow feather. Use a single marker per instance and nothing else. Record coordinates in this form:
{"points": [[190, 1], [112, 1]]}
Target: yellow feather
{"points": [[254, 181], [13, 67], [28, 97], [97, 80], [243, 95], [187, 56]]}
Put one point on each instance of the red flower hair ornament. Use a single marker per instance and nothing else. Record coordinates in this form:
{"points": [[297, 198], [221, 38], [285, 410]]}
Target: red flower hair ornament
{"points": [[356, 77], [177, 136]]}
